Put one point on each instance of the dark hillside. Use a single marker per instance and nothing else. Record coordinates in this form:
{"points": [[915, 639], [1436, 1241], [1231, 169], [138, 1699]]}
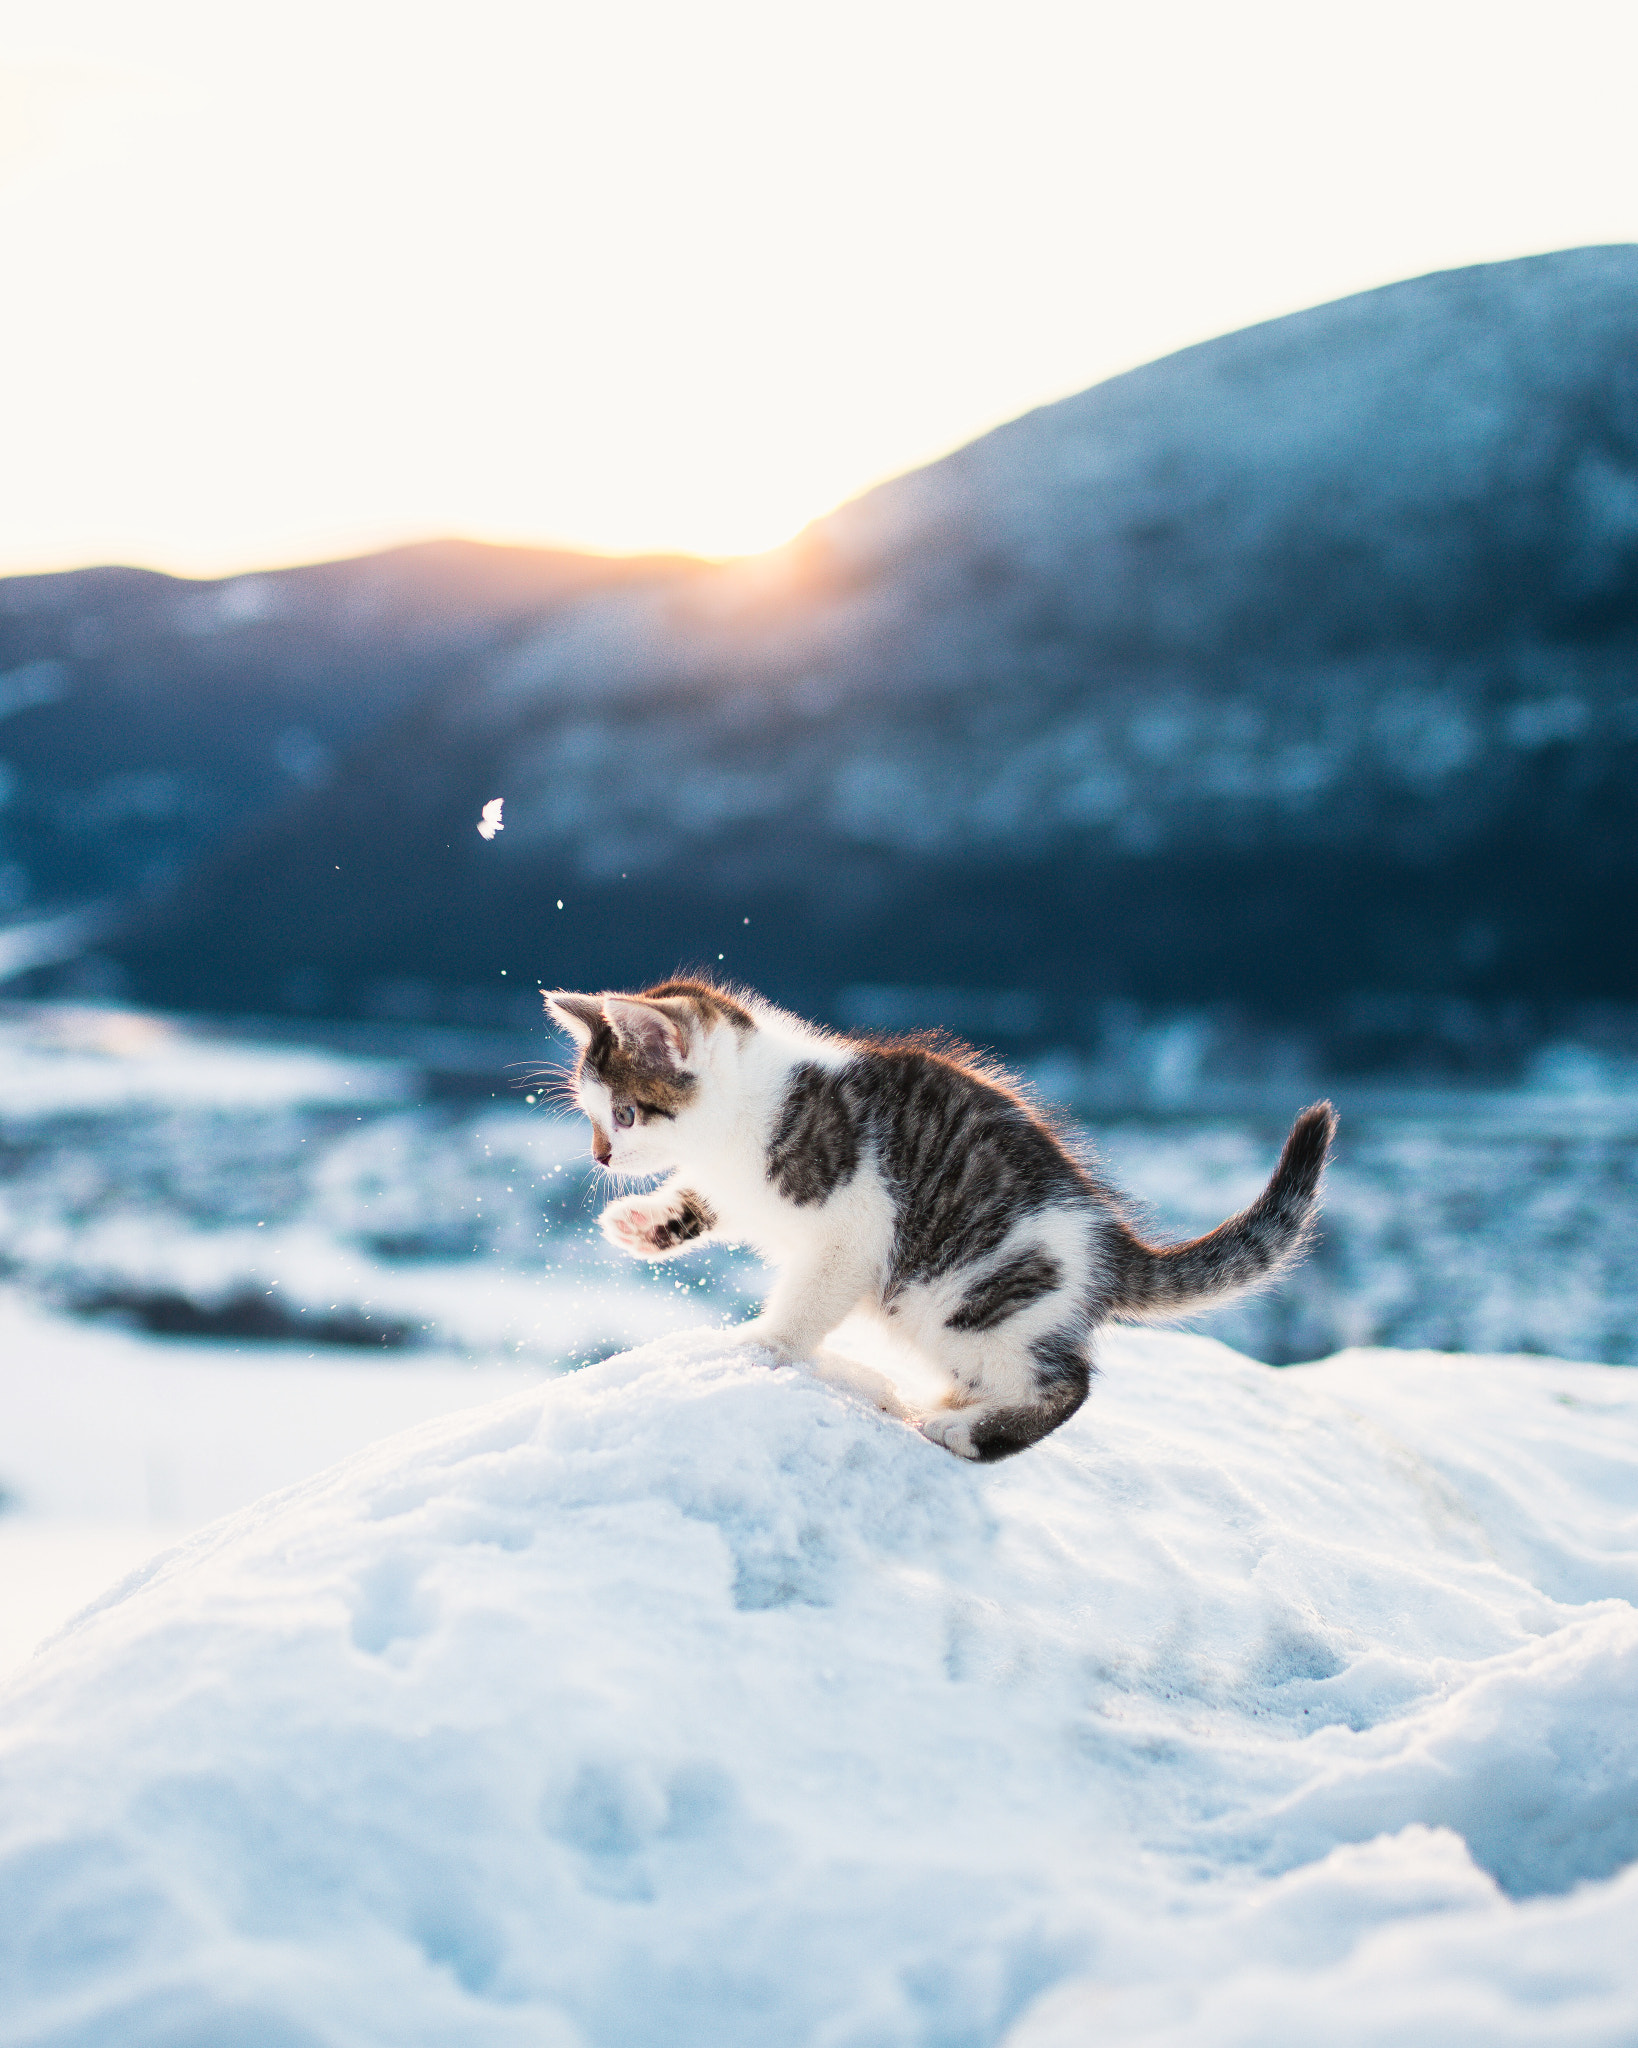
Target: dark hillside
{"points": [[1297, 671], [144, 718]]}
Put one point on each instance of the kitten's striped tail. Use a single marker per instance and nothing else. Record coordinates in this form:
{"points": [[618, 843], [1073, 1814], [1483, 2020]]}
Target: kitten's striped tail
{"points": [[1244, 1252]]}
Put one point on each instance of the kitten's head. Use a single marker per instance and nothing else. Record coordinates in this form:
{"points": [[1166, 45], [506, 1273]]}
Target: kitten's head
{"points": [[643, 1066]]}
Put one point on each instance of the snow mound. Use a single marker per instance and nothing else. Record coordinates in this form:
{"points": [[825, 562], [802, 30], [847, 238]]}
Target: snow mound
{"points": [[683, 1701]]}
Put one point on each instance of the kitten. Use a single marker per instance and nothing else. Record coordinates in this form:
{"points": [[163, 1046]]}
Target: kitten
{"points": [[903, 1180]]}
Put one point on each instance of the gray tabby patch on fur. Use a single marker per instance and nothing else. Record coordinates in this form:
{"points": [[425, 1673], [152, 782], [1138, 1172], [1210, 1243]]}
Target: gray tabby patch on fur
{"points": [[905, 1181]]}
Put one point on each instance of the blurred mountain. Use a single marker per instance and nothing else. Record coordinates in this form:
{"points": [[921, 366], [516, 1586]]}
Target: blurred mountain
{"points": [[144, 718], [1298, 670]]}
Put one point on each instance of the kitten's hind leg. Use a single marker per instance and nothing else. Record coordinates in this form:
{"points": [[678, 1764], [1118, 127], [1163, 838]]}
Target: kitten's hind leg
{"points": [[1024, 1401]]}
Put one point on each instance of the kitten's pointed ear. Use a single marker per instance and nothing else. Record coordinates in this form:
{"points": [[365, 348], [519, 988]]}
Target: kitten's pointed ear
{"points": [[579, 1015], [655, 1034]]}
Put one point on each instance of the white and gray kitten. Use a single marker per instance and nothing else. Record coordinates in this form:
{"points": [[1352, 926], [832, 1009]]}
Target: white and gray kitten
{"points": [[905, 1181]]}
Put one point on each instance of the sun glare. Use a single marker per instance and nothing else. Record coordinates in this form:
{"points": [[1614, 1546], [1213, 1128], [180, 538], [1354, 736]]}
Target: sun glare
{"points": [[683, 279]]}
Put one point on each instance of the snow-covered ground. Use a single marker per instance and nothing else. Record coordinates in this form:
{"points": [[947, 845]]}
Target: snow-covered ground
{"points": [[683, 1701], [113, 1445], [223, 1265], [192, 1226], [676, 1700]]}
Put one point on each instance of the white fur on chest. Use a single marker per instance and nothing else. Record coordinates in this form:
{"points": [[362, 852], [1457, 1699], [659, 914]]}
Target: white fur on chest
{"points": [[728, 1148]]}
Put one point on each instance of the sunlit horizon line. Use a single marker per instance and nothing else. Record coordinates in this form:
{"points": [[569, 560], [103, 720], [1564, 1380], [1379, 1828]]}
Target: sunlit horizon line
{"points": [[323, 545], [180, 566], [359, 544]]}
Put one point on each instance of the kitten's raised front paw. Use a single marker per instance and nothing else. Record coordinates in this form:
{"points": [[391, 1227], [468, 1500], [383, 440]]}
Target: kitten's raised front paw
{"points": [[635, 1225], [950, 1429], [653, 1226]]}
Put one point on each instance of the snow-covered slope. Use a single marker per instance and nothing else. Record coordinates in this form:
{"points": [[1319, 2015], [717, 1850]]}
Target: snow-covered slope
{"points": [[682, 1701]]}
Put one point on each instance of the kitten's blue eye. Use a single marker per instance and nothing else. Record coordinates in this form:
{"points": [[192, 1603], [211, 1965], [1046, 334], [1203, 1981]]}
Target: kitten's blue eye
{"points": [[624, 1114]]}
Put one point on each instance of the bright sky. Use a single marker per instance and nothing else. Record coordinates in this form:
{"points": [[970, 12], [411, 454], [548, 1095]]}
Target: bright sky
{"points": [[283, 282]]}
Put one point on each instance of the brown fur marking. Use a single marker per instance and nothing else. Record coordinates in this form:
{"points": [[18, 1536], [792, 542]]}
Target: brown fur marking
{"points": [[709, 1005], [652, 1089]]}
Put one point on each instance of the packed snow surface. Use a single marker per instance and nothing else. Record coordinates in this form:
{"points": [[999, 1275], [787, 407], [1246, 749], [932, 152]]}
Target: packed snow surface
{"points": [[685, 1701], [114, 1446]]}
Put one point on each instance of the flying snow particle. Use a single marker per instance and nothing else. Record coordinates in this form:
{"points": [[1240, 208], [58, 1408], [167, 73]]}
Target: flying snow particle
{"points": [[490, 823]]}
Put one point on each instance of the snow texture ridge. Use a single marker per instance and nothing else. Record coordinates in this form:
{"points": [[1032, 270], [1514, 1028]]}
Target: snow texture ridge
{"points": [[685, 1701]]}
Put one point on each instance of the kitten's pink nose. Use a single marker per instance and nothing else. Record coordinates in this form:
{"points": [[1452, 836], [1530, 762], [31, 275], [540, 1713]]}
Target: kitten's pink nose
{"points": [[602, 1147]]}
